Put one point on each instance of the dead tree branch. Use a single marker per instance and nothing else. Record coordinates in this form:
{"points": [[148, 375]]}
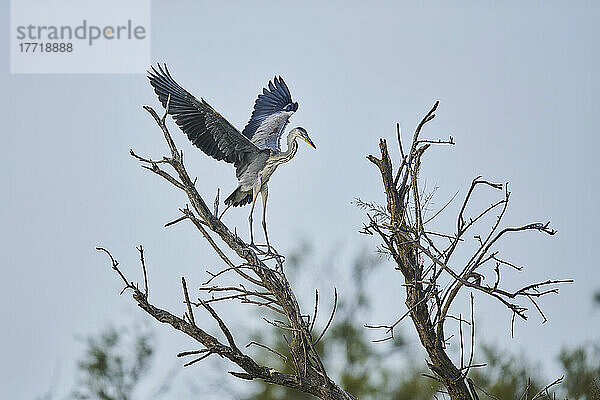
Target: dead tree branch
{"points": [[425, 258], [265, 284]]}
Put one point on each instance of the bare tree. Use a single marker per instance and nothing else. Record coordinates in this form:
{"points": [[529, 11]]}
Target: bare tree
{"points": [[433, 279], [422, 257], [264, 284]]}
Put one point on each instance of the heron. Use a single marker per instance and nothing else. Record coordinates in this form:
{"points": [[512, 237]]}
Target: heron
{"points": [[255, 152]]}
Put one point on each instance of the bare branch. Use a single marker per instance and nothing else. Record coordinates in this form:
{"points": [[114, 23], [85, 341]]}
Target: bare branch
{"points": [[314, 318], [187, 301], [216, 203], [335, 298], [266, 348], [140, 248], [439, 141], [193, 352], [115, 266], [175, 221], [544, 391], [423, 257], [259, 269], [197, 359], [222, 325]]}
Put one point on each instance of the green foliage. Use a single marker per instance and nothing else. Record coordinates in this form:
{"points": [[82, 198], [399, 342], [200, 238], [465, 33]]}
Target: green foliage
{"points": [[365, 369], [115, 361], [582, 372], [412, 385], [506, 376], [112, 365], [372, 371]]}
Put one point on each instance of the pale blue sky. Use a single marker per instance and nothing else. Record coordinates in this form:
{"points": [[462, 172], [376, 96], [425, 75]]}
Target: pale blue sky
{"points": [[518, 91]]}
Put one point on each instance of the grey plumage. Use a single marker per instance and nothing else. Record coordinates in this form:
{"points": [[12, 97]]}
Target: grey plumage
{"points": [[268, 133], [255, 152], [270, 115]]}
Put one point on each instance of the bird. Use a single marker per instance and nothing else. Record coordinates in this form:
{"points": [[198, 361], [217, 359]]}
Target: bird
{"points": [[255, 151]]}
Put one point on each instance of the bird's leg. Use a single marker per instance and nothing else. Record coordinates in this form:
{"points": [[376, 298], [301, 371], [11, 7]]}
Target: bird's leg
{"points": [[250, 222], [255, 191], [225, 210], [264, 191]]}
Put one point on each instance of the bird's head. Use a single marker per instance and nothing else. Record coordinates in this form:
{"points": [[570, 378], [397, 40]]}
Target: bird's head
{"points": [[302, 134]]}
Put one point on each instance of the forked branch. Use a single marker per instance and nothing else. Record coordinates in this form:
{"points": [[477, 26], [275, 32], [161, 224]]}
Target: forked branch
{"points": [[432, 278], [264, 285]]}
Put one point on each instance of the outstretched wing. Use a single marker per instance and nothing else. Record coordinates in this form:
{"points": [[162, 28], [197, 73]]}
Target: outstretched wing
{"points": [[272, 110], [205, 127]]}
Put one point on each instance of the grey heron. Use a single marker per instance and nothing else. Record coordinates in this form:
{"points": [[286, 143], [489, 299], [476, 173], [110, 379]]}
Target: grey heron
{"points": [[255, 152]]}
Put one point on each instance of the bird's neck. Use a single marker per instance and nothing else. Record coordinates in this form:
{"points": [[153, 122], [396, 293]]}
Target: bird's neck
{"points": [[285, 156], [292, 148]]}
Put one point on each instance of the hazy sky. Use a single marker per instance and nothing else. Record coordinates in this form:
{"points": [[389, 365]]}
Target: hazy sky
{"points": [[518, 91]]}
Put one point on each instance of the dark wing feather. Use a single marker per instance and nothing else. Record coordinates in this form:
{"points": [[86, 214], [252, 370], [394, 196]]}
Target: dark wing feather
{"points": [[205, 127], [275, 99]]}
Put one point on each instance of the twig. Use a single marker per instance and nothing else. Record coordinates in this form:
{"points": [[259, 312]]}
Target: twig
{"points": [[548, 386], [198, 359], [222, 325], [335, 298], [187, 301], [216, 203], [462, 353], [221, 272], [441, 209], [267, 348], [115, 266], [314, 319], [472, 350], [450, 141], [193, 352], [176, 221], [143, 262], [390, 328]]}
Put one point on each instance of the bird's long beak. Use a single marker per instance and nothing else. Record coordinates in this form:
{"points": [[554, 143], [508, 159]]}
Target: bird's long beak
{"points": [[309, 141]]}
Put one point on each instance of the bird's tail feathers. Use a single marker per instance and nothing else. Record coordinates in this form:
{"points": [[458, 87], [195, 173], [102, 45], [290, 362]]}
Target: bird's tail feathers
{"points": [[239, 198]]}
